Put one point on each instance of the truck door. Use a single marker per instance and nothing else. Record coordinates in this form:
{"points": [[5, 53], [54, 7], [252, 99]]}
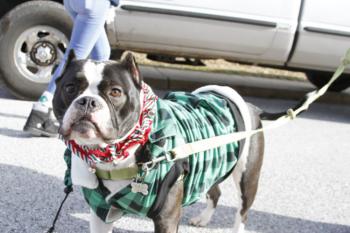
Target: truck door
{"points": [[324, 34], [242, 29]]}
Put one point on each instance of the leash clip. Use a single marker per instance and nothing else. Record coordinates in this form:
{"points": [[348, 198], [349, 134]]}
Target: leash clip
{"points": [[170, 156], [148, 166], [291, 114]]}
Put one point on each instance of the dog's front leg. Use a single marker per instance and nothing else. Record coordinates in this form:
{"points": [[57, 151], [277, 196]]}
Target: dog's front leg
{"points": [[168, 219], [98, 226]]}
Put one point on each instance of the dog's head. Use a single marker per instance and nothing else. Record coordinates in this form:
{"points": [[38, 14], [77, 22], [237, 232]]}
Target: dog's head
{"points": [[97, 102]]}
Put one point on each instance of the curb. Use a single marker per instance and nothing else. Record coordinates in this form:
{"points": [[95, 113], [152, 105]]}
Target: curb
{"points": [[185, 80]]}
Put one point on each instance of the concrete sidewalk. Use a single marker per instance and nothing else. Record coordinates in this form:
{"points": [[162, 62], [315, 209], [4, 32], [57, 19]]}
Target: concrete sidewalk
{"points": [[176, 79]]}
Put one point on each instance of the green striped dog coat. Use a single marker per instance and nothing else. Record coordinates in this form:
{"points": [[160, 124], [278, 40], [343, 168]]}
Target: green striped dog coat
{"points": [[181, 118]]}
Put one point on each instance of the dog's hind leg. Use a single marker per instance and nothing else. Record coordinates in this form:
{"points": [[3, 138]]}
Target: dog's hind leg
{"points": [[98, 226], [204, 217], [246, 176]]}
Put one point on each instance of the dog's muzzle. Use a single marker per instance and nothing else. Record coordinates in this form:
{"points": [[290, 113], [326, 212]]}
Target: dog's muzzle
{"points": [[88, 104]]}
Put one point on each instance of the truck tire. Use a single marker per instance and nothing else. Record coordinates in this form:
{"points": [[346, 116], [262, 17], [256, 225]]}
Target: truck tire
{"points": [[33, 39], [319, 79]]}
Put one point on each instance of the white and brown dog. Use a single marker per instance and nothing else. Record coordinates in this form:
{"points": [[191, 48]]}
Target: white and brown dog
{"points": [[99, 104]]}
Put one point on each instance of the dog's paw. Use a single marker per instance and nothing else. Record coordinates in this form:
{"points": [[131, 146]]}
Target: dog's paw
{"points": [[239, 228], [199, 221]]}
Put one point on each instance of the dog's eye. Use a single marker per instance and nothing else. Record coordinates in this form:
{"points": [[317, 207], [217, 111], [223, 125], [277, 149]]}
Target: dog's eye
{"points": [[70, 88], [115, 92]]}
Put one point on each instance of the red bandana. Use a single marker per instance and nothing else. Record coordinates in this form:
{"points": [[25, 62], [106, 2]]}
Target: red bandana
{"points": [[120, 150]]}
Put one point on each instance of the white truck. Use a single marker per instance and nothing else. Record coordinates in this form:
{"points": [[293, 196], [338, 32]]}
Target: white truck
{"points": [[305, 35]]}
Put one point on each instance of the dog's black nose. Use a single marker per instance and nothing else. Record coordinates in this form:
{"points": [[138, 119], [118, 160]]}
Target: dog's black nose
{"points": [[88, 104]]}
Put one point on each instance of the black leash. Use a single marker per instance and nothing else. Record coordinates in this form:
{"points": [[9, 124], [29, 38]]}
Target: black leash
{"points": [[67, 191]]}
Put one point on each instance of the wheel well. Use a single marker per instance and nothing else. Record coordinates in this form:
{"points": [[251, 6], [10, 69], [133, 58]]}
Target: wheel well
{"points": [[7, 5]]}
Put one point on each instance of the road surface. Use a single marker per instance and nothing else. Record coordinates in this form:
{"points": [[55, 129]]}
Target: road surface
{"points": [[304, 186]]}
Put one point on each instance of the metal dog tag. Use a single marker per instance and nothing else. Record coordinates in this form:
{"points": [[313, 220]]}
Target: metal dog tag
{"points": [[137, 185], [139, 188]]}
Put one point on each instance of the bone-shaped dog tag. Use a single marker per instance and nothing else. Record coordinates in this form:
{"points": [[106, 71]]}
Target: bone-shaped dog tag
{"points": [[139, 188]]}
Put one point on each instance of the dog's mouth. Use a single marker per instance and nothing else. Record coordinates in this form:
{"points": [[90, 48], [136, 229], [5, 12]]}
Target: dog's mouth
{"points": [[86, 130], [84, 127]]}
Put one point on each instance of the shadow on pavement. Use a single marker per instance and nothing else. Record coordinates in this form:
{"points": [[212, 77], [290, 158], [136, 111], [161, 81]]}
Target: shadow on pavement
{"points": [[14, 133], [4, 114], [266, 222], [29, 200], [4, 92]]}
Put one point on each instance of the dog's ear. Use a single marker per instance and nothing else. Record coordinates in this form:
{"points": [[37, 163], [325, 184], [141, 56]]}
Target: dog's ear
{"points": [[71, 57], [59, 105], [130, 63]]}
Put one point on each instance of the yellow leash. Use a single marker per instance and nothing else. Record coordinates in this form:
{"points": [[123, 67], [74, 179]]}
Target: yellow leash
{"points": [[186, 150]]}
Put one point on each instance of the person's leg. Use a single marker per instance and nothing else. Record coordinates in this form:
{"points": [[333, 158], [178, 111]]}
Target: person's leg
{"points": [[102, 49], [45, 100], [88, 34]]}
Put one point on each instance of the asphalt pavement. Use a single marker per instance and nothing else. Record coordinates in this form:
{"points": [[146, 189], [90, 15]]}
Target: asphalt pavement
{"points": [[304, 186]]}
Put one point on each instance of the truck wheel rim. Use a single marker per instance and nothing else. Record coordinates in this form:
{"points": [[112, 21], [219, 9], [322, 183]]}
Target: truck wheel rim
{"points": [[37, 51]]}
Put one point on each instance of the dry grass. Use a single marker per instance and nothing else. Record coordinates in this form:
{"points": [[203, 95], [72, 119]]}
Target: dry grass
{"points": [[223, 66]]}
